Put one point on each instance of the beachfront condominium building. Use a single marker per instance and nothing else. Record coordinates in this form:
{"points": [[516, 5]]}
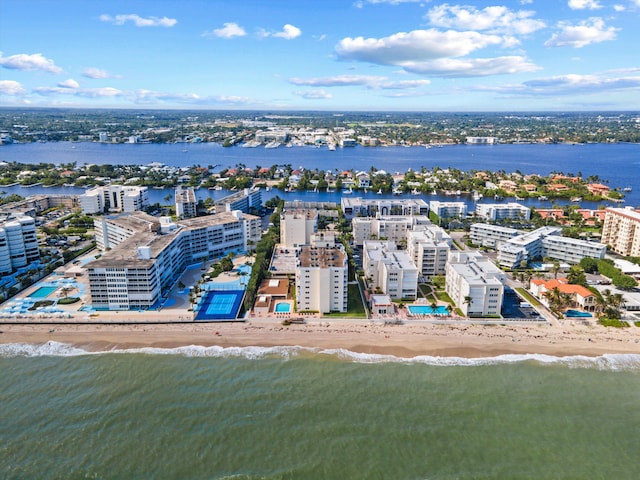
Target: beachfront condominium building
{"points": [[186, 203], [429, 246], [389, 269], [448, 209], [321, 279], [359, 207], [114, 198], [393, 228], [475, 285], [18, 242], [297, 225], [488, 235], [500, 211], [248, 200], [621, 230], [546, 242], [143, 256]]}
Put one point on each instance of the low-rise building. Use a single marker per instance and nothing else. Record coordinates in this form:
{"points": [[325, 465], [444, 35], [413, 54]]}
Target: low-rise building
{"points": [[488, 235], [247, 200], [393, 228], [500, 211], [448, 209], [475, 285], [357, 206], [581, 297]]}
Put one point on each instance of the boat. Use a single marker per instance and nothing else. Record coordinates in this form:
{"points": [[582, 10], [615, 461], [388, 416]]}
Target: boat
{"points": [[477, 196], [627, 189], [348, 192], [415, 192], [576, 199], [274, 144], [251, 144], [396, 191], [379, 192], [543, 197]]}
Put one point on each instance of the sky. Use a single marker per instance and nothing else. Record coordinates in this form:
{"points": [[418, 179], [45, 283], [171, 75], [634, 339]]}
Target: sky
{"points": [[384, 55]]}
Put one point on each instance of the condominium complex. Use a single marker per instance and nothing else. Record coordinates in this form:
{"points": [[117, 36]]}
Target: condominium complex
{"points": [[389, 269], [321, 279], [475, 284], [621, 231], [114, 198], [297, 226], [487, 235], [143, 255], [500, 211], [186, 203], [246, 200], [429, 246], [385, 228], [357, 206], [18, 242], [546, 242], [448, 209]]}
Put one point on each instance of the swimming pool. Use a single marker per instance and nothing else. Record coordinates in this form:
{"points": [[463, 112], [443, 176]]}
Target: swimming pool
{"points": [[43, 292], [577, 314], [427, 310], [282, 307]]}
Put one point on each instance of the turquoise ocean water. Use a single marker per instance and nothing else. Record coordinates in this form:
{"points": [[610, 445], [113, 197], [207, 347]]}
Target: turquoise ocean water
{"points": [[279, 413]]}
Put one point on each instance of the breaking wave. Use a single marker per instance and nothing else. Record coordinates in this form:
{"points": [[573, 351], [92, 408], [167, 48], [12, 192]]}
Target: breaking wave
{"points": [[610, 362]]}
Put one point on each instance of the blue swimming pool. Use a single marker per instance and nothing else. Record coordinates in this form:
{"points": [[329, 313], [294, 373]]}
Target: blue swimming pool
{"points": [[43, 292], [577, 314], [427, 310], [283, 307]]}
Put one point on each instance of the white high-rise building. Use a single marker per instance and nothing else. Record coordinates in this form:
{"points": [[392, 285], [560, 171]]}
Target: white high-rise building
{"points": [[321, 279], [297, 226], [428, 247], [389, 269], [393, 228], [18, 242], [475, 284], [186, 203], [621, 230], [114, 198]]}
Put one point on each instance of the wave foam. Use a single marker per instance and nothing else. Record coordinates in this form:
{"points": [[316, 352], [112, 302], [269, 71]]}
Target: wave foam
{"points": [[611, 362]]}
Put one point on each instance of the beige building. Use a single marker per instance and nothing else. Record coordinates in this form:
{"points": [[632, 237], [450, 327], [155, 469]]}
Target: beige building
{"points": [[321, 279], [621, 231], [297, 226]]}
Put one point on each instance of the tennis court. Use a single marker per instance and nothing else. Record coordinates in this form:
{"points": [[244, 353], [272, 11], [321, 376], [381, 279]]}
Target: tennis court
{"points": [[220, 305]]}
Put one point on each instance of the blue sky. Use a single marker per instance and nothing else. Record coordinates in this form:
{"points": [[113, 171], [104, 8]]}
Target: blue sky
{"points": [[330, 55]]}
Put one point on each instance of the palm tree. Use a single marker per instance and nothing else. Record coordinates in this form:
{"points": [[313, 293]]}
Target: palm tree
{"points": [[468, 301], [555, 269]]}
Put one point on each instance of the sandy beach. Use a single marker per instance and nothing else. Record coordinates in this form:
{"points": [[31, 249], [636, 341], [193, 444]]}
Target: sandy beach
{"points": [[468, 341]]}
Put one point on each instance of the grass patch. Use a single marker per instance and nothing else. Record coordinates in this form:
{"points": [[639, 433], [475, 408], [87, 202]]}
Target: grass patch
{"points": [[531, 299], [68, 300], [41, 303], [613, 322], [355, 307], [444, 297]]}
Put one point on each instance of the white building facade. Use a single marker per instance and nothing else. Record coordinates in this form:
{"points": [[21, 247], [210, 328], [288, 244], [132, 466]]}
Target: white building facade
{"points": [[429, 246], [500, 211], [390, 270], [297, 226], [621, 230], [321, 279], [448, 209], [18, 242], [114, 198]]}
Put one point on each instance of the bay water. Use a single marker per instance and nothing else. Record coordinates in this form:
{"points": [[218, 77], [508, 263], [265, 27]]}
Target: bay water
{"points": [[285, 413]]}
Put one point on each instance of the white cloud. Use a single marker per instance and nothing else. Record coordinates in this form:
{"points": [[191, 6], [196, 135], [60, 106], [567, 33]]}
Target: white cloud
{"points": [[314, 95], [571, 84], [11, 88], [228, 30], [369, 81], [619, 8], [24, 61], [584, 4], [289, 32], [472, 67], [97, 73], [69, 83], [585, 33], [338, 81], [139, 21], [415, 46], [495, 19], [80, 92]]}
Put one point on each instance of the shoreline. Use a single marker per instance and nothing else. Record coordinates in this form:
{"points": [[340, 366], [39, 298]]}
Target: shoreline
{"points": [[402, 341]]}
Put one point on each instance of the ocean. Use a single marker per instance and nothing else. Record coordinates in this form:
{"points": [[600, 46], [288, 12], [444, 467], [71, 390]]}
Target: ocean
{"points": [[289, 413]]}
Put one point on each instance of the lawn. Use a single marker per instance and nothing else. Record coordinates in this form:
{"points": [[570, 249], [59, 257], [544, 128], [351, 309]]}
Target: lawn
{"points": [[355, 308]]}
